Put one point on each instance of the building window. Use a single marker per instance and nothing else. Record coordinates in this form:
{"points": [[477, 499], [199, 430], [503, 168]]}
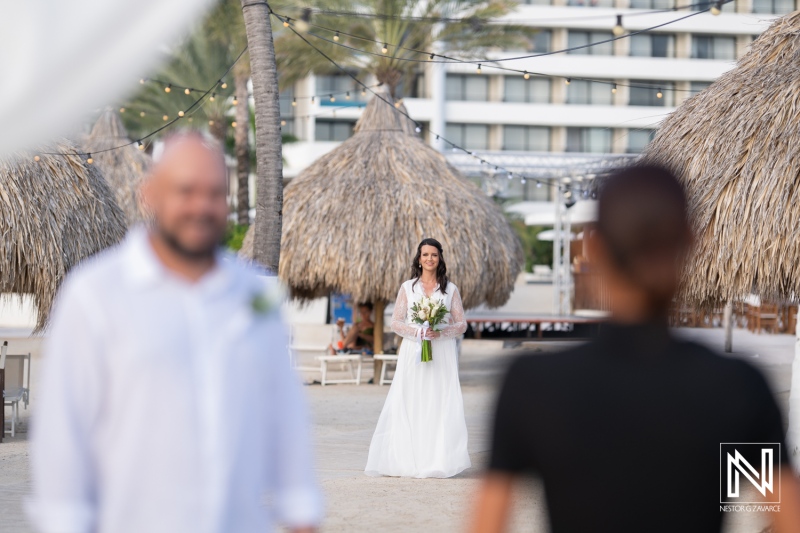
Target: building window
{"points": [[652, 4], [589, 140], [338, 86], [645, 92], [469, 87], [713, 47], [526, 138], [778, 7], [652, 45], [285, 100], [591, 3], [539, 43], [468, 136], [589, 93], [532, 91], [639, 139], [699, 86], [333, 130], [584, 38]]}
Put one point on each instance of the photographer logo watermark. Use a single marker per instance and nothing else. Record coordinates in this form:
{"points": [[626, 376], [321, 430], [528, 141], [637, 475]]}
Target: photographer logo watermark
{"points": [[748, 466]]}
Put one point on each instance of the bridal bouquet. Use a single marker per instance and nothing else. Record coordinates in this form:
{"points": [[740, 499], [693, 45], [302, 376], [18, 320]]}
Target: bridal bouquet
{"points": [[429, 313]]}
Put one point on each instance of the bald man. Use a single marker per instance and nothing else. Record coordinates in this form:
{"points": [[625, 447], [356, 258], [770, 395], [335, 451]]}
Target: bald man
{"points": [[168, 404]]}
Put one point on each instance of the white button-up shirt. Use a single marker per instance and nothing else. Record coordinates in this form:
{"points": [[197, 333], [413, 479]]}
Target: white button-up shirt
{"points": [[168, 406]]}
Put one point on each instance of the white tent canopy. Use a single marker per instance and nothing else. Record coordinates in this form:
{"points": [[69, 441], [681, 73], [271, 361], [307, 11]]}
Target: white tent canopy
{"points": [[583, 212]]}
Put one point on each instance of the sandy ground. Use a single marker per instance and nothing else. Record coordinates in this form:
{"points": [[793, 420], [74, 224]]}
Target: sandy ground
{"points": [[344, 417]]}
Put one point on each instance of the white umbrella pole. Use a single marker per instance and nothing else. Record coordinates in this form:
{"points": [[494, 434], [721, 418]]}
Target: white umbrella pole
{"points": [[793, 437]]}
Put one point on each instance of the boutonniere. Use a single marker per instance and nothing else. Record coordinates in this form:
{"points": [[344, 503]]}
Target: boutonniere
{"points": [[261, 304]]}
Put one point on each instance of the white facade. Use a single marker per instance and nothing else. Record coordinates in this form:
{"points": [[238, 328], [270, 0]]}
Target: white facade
{"points": [[494, 111]]}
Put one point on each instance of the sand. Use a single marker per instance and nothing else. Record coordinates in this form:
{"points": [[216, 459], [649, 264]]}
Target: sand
{"points": [[344, 417]]}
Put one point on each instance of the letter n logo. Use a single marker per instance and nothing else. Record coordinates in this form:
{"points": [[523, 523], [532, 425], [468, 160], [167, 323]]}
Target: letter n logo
{"points": [[745, 465]]}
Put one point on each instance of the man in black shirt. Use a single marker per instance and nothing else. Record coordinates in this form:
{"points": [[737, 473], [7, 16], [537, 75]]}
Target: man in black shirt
{"points": [[627, 431]]}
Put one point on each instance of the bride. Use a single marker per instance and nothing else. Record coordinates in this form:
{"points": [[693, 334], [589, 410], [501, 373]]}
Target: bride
{"points": [[421, 431]]}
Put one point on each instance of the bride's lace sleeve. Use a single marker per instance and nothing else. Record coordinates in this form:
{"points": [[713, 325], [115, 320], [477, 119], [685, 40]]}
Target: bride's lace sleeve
{"points": [[399, 324], [458, 324]]}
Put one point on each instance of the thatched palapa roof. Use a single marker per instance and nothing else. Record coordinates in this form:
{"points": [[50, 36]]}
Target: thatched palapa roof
{"points": [[123, 168], [53, 213], [353, 219], [736, 145]]}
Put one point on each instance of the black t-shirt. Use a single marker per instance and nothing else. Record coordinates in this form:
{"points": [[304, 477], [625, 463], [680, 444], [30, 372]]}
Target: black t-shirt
{"points": [[625, 431]]}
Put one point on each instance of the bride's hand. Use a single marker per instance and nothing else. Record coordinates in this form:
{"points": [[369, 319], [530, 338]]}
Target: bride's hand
{"points": [[431, 335]]}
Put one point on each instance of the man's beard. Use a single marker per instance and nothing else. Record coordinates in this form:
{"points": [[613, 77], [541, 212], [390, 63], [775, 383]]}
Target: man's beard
{"points": [[175, 245]]}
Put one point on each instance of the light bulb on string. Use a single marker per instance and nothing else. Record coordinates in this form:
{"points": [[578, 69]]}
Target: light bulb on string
{"points": [[618, 29], [478, 70], [89, 159], [347, 95], [511, 175], [121, 109], [286, 22], [312, 99], [526, 75], [332, 98], [36, 158], [538, 184], [181, 113], [614, 88], [283, 122], [165, 117], [363, 92], [212, 97], [210, 122], [294, 102], [141, 81], [140, 145], [224, 85], [397, 104], [168, 88], [523, 180], [142, 113], [716, 8], [433, 56], [235, 101], [187, 91], [385, 48], [659, 94], [567, 81], [233, 124], [418, 129], [336, 36]]}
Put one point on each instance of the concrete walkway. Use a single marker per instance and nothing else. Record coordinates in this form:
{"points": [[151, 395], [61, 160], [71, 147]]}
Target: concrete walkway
{"points": [[344, 417]]}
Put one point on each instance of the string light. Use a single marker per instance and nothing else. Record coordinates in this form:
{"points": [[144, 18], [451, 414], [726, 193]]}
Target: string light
{"points": [[478, 70], [121, 109], [168, 88], [433, 56], [224, 85], [347, 95], [418, 129], [210, 122], [283, 122], [180, 113], [141, 81], [187, 91], [294, 102], [233, 124], [235, 101], [614, 88], [523, 180], [385, 48], [716, 9], [659, 94], [331, 98], [141, 113], [165, 117], [89, 159], [526, 75], [538, 184], [286, 22], [567, 81], [212, 97], [36, 158], [618, 29], [336, 36], [312, 99], [363, 92], [140, 145]]}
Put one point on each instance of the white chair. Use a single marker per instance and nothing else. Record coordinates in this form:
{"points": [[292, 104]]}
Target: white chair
{"points": [[17, 386], [387, 360], [315, 339]]}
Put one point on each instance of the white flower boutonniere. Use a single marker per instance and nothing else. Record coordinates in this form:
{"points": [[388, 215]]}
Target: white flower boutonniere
{"points": [[261, 304]]}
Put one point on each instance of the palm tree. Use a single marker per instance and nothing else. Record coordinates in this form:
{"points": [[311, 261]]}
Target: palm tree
{"points": [[197, 63], [226, 25], [269, 166], [405, 25]]}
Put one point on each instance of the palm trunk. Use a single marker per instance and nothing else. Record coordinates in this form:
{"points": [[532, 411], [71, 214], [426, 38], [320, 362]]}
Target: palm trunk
{"points": [[269, 178], [241, 137]]}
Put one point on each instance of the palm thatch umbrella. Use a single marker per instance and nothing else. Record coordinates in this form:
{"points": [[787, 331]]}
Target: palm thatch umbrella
{"points": [[122, 168], [353, 219], [736, 145], [53, 213]]}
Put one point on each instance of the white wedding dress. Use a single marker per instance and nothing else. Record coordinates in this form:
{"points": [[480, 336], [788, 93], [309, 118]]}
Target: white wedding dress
{"points": [[421, 431]]}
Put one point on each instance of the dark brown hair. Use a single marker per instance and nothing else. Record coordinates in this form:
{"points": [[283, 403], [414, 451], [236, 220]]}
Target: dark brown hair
{"points": [[441, 270]]}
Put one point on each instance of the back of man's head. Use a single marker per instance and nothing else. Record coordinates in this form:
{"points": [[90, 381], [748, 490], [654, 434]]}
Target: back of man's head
{"points": [[643, 231]]}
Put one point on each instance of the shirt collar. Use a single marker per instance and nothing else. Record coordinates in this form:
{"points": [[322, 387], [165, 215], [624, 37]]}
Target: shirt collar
{"points": [[144, 268]]}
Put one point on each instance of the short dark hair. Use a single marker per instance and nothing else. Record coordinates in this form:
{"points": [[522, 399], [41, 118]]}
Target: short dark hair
{"points": [[642, 208], [368, 305]]}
